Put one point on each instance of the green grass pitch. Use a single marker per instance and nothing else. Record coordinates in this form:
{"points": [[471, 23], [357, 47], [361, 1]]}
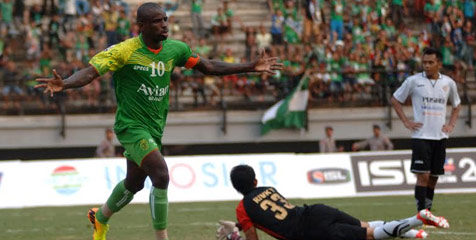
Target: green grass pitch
{"points": [[197, 221]]}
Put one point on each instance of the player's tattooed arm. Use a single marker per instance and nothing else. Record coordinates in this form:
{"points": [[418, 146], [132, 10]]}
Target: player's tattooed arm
{"points": [[262, 64], [78, 79]]}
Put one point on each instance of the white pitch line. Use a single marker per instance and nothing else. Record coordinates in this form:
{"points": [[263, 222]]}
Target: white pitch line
{"points": [[138, 226], [350, 203], [201, 209], [37, 230], [453, 233]]}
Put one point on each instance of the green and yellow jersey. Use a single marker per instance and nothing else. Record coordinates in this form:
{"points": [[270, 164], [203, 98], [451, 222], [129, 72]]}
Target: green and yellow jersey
{"points": [[142, 79]]}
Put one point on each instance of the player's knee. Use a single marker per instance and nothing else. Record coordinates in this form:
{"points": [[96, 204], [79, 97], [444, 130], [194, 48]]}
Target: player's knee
{"points": [[370, 234], [422, 179], [135, 186], [364, 224], [432, 181], [160, 179]]}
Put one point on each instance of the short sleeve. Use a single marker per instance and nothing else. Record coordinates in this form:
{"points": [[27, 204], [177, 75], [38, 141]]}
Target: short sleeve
{"points": [[403, 91], [112, 58], [186, 58], [454, 96], [243, 217]]}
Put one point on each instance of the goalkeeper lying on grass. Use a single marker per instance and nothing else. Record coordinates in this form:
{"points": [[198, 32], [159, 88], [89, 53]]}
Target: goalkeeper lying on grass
{"points": [[264, 208]]}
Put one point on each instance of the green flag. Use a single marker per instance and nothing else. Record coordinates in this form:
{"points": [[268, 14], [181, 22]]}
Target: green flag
{"points": [[290, 112]]}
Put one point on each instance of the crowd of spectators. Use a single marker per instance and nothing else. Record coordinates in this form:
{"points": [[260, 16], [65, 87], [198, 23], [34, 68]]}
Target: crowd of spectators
{"points": [[451, 25], [355, 49]]}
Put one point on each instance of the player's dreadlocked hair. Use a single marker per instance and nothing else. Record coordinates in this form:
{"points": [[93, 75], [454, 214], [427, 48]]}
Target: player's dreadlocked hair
{"points": [[242, 178]]}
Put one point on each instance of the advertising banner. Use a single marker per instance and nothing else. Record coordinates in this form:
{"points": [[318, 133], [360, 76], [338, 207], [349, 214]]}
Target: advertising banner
{"points": [[8, 183], [206, 178], [192, 178], [390, 171]]}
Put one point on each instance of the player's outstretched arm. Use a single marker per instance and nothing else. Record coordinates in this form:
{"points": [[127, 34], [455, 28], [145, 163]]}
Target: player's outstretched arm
{"points": [[227, 230], [216, 67], [78, 79]]}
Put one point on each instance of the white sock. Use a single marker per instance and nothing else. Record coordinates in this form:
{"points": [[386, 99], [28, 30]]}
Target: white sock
{"points": [[396, 228], [375, 224], [412, 233]]}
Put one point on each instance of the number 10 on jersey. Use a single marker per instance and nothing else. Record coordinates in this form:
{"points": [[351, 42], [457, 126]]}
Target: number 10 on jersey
{"points": [[157, 69]]}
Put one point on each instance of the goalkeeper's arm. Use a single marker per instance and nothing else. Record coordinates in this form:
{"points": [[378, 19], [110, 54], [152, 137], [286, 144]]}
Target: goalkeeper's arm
{"points": [[234, 236], [231, 231], [250, 235]]}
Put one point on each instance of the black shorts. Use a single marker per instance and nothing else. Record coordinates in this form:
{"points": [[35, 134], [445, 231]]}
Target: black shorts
{"points": [[277, 39], [428, 156], [324, 222]]}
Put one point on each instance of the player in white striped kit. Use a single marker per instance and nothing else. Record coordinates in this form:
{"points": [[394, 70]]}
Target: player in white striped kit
{"points": [[429, 91]]}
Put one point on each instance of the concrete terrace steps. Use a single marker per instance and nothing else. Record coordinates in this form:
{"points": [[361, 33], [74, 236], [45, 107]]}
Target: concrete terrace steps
{"points": [[246, 16], [251, 12]]}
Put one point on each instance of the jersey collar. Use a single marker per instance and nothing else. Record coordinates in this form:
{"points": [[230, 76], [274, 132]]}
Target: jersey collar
{"points": [[155, 51], [424, 75]]}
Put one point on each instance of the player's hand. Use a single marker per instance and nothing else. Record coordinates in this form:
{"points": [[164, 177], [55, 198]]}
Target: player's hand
{"points": [[414, 126], [447, 128], [267, 65], [51, 85], [225, 228]]}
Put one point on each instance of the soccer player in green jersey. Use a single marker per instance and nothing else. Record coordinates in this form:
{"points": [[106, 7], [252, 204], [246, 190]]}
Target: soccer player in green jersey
{"points": [[142, 67]]}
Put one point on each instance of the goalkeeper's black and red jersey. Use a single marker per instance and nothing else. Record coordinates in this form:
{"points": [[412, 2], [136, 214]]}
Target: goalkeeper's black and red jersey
{"points": [[266, 209]]}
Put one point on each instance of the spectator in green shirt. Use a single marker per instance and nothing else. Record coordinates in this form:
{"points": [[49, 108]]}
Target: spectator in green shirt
{"points": [[337, 85], [397, 11], [389, 28], [6, 12], [203, 49], [197, 19], [123, 26], [275, 5], [430, 11], [446, 51], [229, 16], [2, 46], [219, 24]]}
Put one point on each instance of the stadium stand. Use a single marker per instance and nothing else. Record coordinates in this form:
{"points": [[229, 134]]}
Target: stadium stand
{"points": [[357, 52]]}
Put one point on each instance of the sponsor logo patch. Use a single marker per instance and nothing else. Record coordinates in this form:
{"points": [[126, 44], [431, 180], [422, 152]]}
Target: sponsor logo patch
{"points": [[144, 144], [66, 180], [328, 176]]}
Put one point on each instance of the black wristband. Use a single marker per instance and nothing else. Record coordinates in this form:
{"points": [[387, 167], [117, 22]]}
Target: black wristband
{"points": [[238, 225]]}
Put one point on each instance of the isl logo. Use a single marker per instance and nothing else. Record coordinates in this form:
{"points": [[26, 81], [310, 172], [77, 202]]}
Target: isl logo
{"points": [[66, 180], [328, 176]]}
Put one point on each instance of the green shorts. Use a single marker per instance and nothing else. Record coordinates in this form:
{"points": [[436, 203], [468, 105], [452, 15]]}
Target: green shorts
{"points": [[138, 143]]}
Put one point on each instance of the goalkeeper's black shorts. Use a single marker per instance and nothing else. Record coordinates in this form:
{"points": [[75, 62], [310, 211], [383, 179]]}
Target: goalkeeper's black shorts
{"points": [[324, 222]]}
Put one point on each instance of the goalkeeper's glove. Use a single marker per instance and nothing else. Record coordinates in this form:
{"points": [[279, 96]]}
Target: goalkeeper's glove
{"points": [[227, 230]]}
